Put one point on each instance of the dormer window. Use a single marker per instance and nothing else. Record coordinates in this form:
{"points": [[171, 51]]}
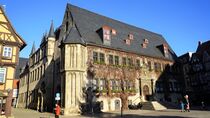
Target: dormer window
{"points": [[130, 36], [114, 32], [165, 49], [127, 41], [146, 41], [144, 45], [107, 35]]}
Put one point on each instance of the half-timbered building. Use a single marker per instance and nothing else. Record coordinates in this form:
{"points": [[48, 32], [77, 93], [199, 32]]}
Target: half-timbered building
{"points": [[10, 45]]}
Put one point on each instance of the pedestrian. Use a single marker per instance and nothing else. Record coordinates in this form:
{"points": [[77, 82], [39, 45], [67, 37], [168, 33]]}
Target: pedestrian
{"points": [[182, 105], [187, 103], [188, 107], [203, 105], [57, 110]]}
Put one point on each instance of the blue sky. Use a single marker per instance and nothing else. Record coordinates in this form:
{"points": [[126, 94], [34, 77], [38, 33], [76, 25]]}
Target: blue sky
{"points": [[182, 22]]}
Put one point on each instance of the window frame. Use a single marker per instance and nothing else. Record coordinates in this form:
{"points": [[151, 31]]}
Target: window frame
{"points": [[124, 61], [102, 84], [107, 34], [130, 61], [4, 72], [138, 63], [95, 56], [101, 57], [5, 54], [130, 36], [116, 60], [111, 59]]}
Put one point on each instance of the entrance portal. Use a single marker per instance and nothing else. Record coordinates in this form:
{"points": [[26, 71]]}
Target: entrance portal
{"points": [[117, 104], [146, 92]]}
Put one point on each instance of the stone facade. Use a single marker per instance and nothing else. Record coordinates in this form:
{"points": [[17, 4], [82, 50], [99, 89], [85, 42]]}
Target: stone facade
{"points": [[39, 77], [117, 64]]}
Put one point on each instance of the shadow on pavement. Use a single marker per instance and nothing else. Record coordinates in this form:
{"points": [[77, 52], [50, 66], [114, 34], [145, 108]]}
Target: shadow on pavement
{"points": [[114, 115]]}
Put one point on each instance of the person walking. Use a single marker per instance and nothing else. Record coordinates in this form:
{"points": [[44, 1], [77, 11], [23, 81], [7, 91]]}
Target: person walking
{"points": [[203, 105], [187, 103], [57, 110], [182, 105]]}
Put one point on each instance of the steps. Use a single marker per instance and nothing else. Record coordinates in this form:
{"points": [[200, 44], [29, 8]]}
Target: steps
{"points": [[147, 106], [154, 105], [158, 106]]}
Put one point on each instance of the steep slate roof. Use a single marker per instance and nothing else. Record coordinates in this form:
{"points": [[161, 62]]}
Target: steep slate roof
{"points": [[44, 39], [22, 63], [74, 36], [51, 32], [88, 23], [203, 47], [185, 58]]}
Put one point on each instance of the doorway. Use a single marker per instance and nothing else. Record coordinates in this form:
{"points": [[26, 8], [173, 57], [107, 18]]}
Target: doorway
{"points": [[146, 92], [117, 104]]}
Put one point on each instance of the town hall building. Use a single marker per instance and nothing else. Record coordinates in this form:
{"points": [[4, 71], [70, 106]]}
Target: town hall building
{"points": [[89, 50]]}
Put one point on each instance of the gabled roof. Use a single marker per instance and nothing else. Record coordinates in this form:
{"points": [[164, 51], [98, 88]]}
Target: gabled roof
{"points": [[88, 23], [203, 47], [21, 42]]}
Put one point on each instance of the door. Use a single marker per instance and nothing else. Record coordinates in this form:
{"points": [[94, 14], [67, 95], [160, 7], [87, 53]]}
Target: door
{"points": [[117, 104], [146, 92]]}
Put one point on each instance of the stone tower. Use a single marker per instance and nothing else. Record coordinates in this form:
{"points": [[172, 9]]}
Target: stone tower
{"points": [[73, 70], [50, 43], [73, 65]]}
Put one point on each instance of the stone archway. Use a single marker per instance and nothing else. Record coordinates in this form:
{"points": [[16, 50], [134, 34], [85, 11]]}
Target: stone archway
{"points": [[146, 92]]}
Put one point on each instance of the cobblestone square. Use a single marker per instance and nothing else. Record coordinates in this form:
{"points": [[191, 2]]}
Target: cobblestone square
{"points": [[169, 113]]}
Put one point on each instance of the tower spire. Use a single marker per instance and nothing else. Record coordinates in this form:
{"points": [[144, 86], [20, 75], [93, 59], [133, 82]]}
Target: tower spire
{"points": [[51, 32], [33, 49]]}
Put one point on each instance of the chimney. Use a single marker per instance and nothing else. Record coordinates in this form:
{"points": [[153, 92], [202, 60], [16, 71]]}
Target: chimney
{"points": [[199, 43]]}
